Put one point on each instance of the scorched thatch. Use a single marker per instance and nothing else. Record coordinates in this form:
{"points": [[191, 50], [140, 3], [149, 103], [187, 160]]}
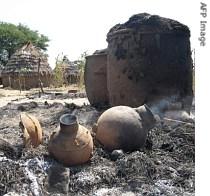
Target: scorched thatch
{"points": [[25, 67]]}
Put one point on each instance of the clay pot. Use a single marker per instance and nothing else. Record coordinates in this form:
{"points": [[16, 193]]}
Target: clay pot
{"points": [[148, 56], [96, 79], [32, 131], [72, 144], [123, 127]]}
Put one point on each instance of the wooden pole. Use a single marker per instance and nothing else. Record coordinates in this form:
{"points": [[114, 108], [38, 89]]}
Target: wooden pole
{"points": [[10, 82], [19, 79]]}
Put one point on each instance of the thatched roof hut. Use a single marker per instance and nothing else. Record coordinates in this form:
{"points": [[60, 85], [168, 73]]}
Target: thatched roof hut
{"points": [[25, 67]]}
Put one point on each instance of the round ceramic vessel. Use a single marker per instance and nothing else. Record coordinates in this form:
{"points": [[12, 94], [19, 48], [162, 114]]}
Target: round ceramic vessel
{"points": [[72, 144], [123, 127]]}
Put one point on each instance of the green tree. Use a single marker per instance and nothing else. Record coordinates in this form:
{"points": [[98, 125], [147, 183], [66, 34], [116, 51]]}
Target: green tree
{"points": [[13, 37], [37, 39]]}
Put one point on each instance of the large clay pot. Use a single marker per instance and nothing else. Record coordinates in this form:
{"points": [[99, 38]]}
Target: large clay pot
{"points": [[72, 144], [95, 77], [148, 56], [123, 127], [32, 131]]}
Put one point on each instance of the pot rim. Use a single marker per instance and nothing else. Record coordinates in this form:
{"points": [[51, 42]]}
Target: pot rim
{"points": [[68, 119]]}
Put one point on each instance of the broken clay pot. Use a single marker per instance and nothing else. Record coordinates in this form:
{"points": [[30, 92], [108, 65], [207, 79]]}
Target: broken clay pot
{"points": [[123, 127], [72, 144], [32, 131]]}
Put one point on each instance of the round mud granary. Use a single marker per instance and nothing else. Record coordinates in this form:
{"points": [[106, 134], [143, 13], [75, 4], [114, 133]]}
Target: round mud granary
{"points": [[96, 78], [148, 57]]}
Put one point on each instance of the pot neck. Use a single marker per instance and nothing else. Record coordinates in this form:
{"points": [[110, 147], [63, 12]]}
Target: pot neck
{"points": [[69, 129], [146, 115]]}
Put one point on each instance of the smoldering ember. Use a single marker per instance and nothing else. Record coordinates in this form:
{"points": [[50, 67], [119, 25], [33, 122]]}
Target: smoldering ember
{"points": [[122, 123]]}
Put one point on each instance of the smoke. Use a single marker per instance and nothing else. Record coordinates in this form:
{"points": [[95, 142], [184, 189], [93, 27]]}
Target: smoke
{"points": [[159, 106], [172, 109]]}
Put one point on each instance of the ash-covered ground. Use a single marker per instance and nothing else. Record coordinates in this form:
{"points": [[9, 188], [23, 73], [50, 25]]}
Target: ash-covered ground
{"points": [[165, 166]]}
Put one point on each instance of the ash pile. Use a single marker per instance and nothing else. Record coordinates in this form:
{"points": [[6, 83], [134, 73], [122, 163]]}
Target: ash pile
{"points": [[165, 166]]}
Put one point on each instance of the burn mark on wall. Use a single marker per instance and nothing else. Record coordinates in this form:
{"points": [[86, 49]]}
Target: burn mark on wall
{"points": [[120, 52]]}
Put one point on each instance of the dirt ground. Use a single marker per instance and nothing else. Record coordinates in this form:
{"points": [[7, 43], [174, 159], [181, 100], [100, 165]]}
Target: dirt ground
{"points": [[165, 166]]}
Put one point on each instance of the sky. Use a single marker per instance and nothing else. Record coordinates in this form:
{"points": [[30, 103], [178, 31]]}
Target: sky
{"points": [[76, 26]]}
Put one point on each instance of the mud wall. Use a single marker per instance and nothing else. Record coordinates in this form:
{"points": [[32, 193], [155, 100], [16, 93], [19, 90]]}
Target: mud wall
{"points": [[148, 56], [96, 79], [25, 82]]}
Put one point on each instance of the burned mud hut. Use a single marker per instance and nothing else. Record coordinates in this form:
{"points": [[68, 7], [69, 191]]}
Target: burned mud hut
{"points": [[70, 71], [148, 57], [26, 68], [95, 77]]}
